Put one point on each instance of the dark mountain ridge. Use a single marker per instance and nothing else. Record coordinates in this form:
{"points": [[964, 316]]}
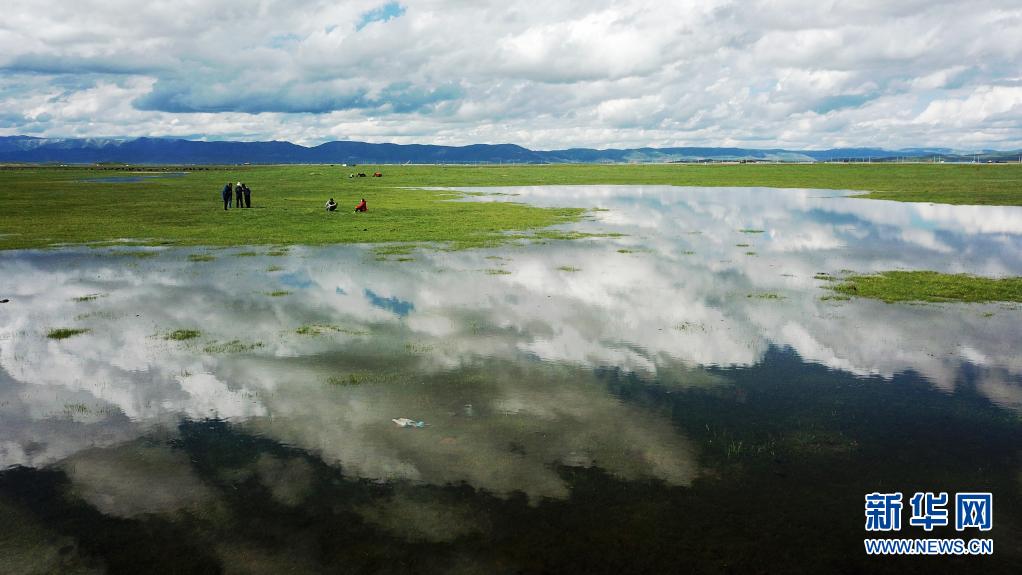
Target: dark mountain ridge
{"points": [[27, 149]]}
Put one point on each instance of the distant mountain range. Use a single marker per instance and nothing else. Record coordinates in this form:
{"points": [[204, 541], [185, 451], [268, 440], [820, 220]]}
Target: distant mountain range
{"points": [[27, 149]]}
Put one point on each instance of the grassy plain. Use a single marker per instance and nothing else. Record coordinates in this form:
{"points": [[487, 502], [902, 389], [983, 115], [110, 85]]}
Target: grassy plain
{"points": [[45, 206], [902, 286]]}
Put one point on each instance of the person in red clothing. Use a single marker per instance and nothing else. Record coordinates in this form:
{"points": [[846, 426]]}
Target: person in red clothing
{"points": [[361, 207]]}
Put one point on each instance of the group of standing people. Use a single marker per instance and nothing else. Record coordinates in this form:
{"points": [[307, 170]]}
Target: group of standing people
{"points": [[240, 192]]}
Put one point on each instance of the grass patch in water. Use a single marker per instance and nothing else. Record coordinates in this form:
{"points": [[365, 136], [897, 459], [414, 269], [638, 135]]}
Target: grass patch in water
{"points": [[183, 334], [233, 346], [361, 378], [278, 293], [750, 231], [201, 258], [141, 254], [496, 272], [835, 298], [765, 295], [930, 286], [89, 297], [272, 269], [394, 249], [750, 253], [418, 347], [322, 329], [65, 332], [569, 269], [741, 245]]}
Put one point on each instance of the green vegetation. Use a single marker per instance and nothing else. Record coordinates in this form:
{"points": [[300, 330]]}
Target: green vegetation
{"points": [[418, 347], [278, 293], [363, 377], [750, 231], [65, 332], [288, 200], [140, 254], [765, 296], [569, 269], [200, 258], [497, 272], [233, 346], [927, 286], [321, 329], [183, 334], [89, 297]]}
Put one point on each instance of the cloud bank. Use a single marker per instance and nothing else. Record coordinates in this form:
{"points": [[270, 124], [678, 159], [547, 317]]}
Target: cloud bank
{"points": [[628, 73]]}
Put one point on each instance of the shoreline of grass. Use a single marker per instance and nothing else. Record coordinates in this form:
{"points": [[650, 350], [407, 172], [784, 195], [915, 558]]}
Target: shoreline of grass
{"points": [[412, 204], [928, 286]]}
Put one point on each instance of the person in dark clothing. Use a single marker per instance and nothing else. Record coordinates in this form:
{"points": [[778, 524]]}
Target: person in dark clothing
{"points": [[227, 193], [239, 196], [331, 205], [248, 195], [361, 207]]}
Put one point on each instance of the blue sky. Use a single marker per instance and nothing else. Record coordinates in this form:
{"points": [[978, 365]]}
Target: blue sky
{"points": [[598, 73]]}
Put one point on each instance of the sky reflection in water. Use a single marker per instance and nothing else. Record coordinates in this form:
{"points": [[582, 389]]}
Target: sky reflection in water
{"points": [[505, 368]]}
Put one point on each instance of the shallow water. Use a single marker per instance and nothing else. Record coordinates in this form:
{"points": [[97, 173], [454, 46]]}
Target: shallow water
{"points": [[680, 397]]}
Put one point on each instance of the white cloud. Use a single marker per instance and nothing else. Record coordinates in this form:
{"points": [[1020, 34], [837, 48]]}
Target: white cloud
{"points": [[599, 73]]}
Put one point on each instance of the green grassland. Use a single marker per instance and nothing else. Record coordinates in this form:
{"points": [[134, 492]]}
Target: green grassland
{"points": [[903, 286], [45, 206]]}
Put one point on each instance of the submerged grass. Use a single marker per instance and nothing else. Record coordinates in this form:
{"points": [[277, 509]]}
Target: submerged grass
{"points": [[766, 295], [930, 286], [183, 334], [288, 209], [89, 297], [322, 329], [233, 346], [65, 332]]}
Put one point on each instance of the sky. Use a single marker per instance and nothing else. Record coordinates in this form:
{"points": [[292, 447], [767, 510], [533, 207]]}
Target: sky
{"points": [[560, 74]]}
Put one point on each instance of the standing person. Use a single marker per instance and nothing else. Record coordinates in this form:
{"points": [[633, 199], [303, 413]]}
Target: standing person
{"points": [[226, 195], [248, 195], [239, 196]]}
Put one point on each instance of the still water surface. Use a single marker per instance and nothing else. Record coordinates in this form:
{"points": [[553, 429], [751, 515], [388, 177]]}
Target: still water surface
{"points": [[682, 396]]}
